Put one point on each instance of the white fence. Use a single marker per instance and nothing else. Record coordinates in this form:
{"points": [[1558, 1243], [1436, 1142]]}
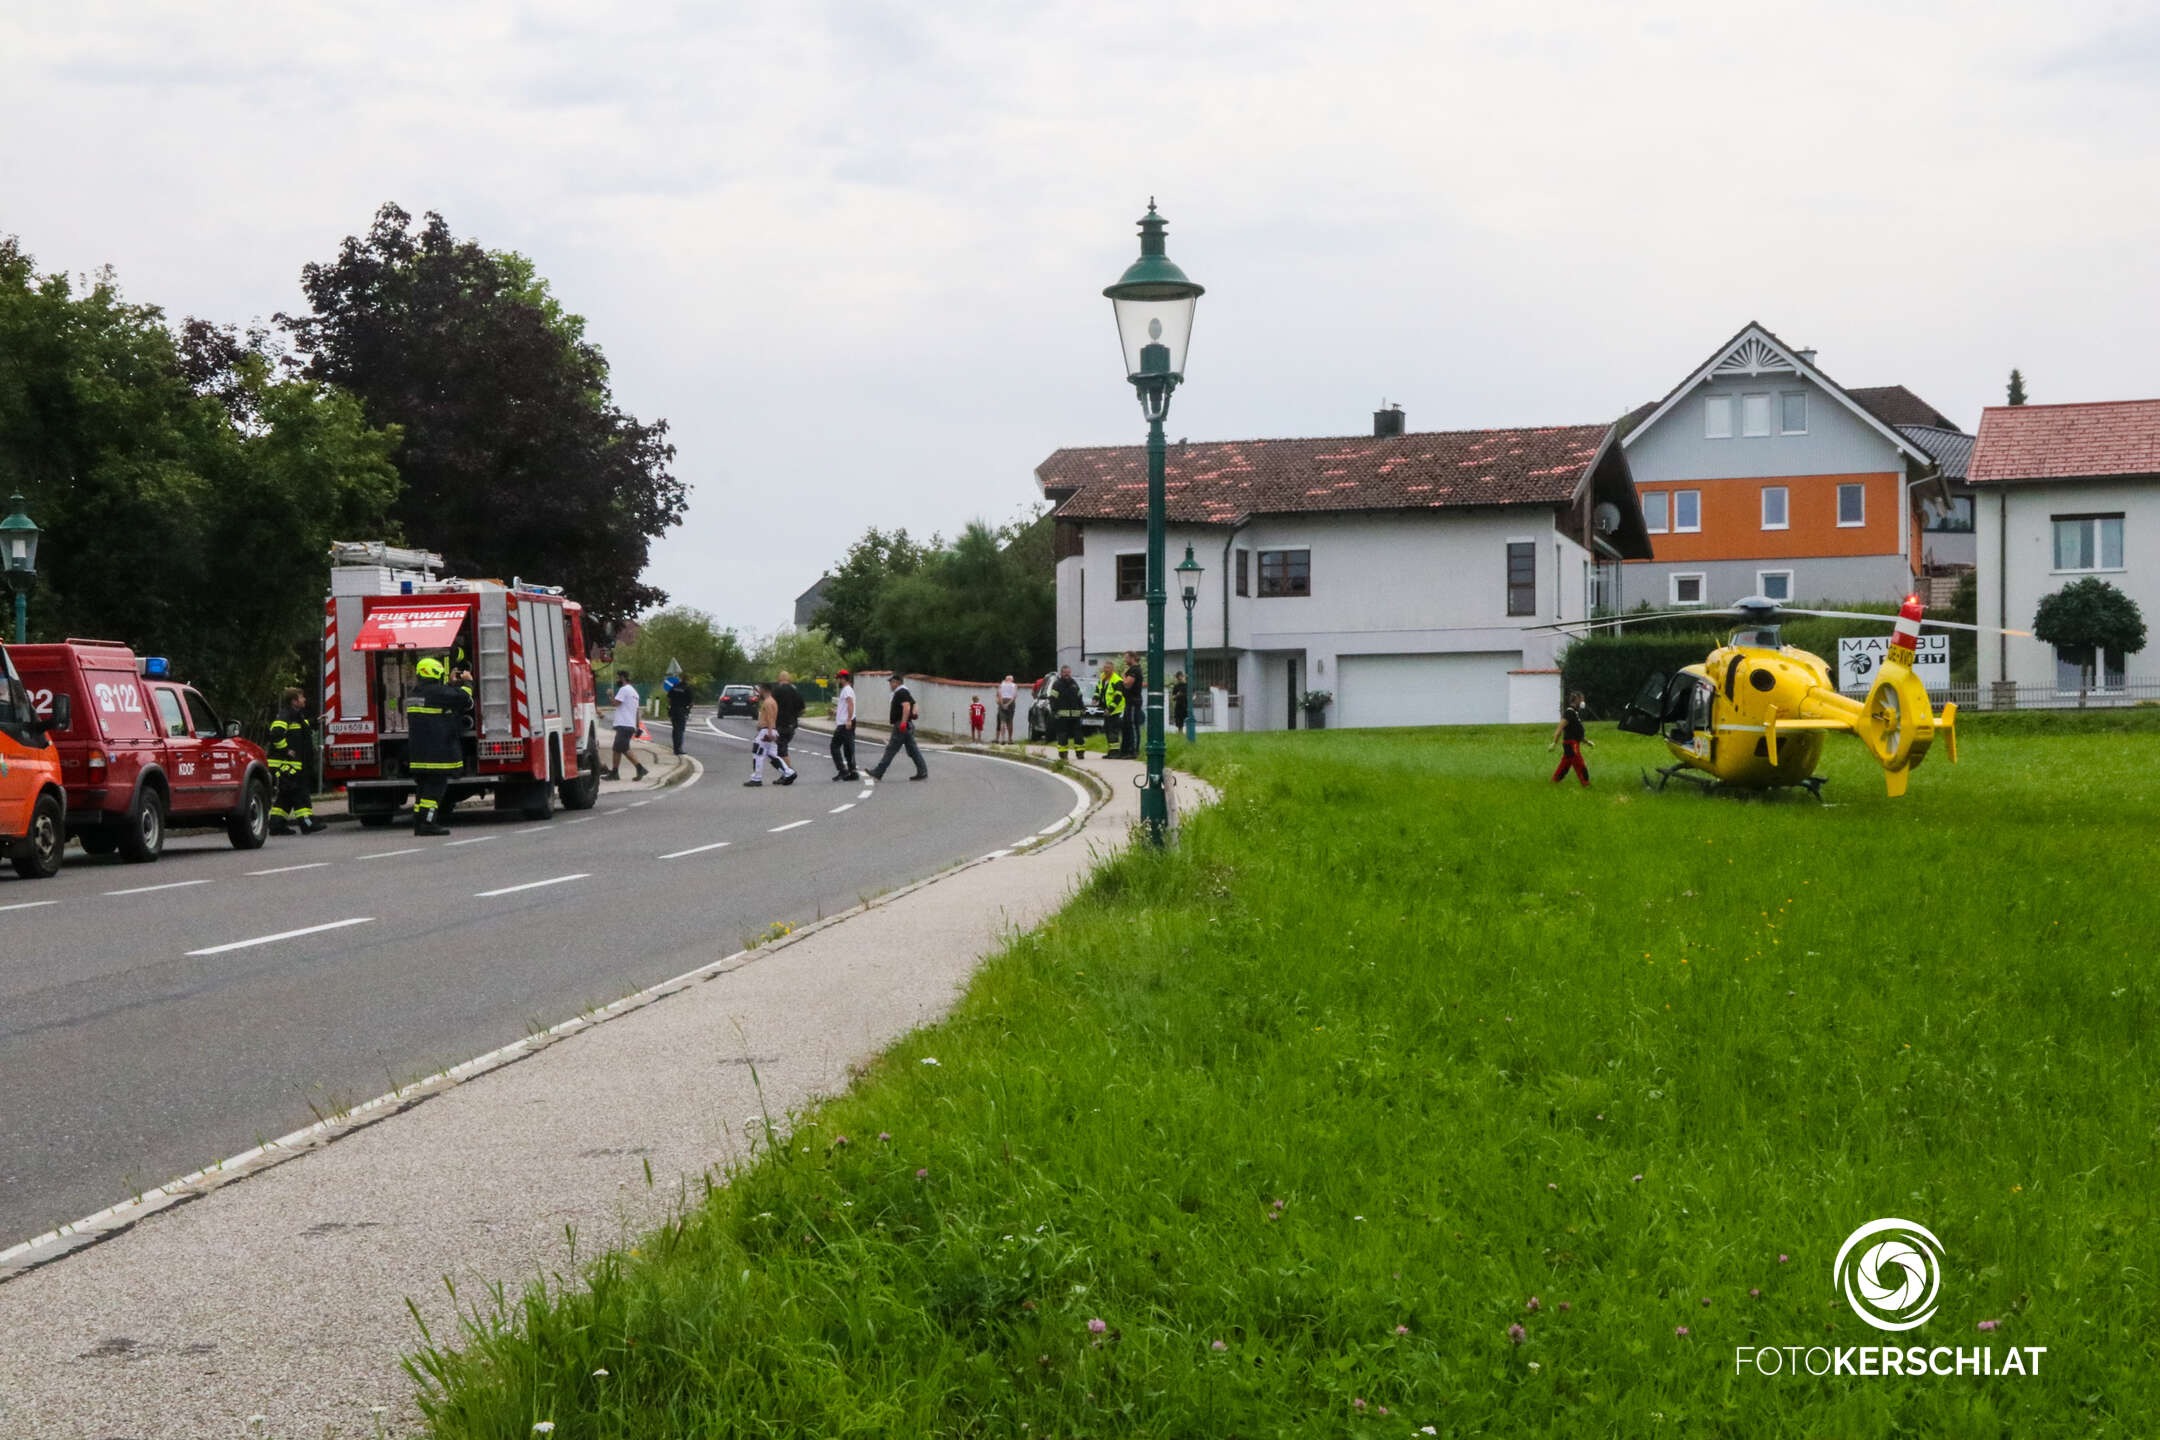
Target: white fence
{"points": [[941, 704]]}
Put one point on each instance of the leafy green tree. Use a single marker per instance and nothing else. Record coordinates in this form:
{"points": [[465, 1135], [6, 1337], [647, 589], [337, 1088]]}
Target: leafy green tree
{"points": [[802, 653], [850, 603], [2088, 618], [982, 609], [710, 656], [2017, 388], [516, 459], [188, 488]]}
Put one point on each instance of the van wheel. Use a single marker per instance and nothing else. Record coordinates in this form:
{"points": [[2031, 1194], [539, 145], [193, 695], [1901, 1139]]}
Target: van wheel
{"points": [[248, 829], [142, 834], [100, 840], [39, 858], [539, 801], [584, 792]]}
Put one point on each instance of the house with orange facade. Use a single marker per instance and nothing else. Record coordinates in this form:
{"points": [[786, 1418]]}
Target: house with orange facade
{"points": [[1760, 475]]}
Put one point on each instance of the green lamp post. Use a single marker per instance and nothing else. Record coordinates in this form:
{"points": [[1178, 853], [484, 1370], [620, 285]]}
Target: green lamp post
{"points": [[18, 553], [1188, 573], [1154, 302]]}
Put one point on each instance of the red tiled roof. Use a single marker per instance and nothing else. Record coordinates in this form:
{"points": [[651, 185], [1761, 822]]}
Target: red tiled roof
{"points": [[2063, 442], [1215, 484]]}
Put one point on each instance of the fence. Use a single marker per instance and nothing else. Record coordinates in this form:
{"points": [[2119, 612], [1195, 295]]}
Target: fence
{"points": [[2006, 696]]}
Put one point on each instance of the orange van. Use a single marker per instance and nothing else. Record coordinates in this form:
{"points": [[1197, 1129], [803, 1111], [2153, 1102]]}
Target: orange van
{"points": [[33, 806]]}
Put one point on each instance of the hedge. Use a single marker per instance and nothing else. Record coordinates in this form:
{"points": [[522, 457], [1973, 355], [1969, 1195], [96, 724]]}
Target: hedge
{"points": [[1609, 669]]}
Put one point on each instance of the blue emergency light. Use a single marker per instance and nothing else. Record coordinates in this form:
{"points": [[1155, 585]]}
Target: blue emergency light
{"points": [[155, 667]]}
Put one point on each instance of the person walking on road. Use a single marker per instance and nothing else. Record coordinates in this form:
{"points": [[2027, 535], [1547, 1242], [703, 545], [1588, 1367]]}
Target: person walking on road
{"points": [[788, 704], [626, 725], [1068, 712], [902, 720], [767, 744], [292, 758], [843, 730], [1568, 734], [1008, 700], [678, 707], [435, 741]]}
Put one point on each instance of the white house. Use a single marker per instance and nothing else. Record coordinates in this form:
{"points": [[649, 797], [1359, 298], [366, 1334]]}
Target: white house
{"points": [[1397, 571], [1760, 475], [2063, 492]]}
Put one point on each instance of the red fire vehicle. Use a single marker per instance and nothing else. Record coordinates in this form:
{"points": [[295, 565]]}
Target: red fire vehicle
{"points": [[33, 806], [140, 752], [534, 731]]}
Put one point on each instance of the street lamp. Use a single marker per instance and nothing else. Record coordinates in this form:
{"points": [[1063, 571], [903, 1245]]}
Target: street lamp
{"points": [[18, 550], [1154, 302], [1188, 572]]}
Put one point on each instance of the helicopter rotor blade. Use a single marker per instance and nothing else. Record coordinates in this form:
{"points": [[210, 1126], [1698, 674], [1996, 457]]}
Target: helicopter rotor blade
{"points": [[1611, 620], [1925, 621]]}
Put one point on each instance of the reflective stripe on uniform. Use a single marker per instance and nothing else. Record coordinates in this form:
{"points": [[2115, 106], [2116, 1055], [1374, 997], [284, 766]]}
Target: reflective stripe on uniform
{"points": [[435, 765]]}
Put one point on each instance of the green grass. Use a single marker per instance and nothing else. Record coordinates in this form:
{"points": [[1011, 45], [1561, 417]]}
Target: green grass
{"points": [[1403, 1036]]}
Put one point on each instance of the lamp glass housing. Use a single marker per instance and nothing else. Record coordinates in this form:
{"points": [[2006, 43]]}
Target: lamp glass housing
{"points": [[1154, 302], [1189, 571], [18, 541]]}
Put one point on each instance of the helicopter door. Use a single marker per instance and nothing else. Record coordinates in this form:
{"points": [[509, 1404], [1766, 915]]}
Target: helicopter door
{"points": [[1647, 709]]}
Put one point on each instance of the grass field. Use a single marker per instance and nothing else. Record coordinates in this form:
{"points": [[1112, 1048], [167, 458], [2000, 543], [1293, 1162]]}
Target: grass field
{"points": [[1280, 1134]]}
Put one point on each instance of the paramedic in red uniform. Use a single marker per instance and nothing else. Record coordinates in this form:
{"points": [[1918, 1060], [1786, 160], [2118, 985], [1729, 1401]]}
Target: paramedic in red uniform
{"points": [[1568, 734]]}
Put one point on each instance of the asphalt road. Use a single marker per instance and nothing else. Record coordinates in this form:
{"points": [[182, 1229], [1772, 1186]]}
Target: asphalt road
{"points": [[158, 1018]]}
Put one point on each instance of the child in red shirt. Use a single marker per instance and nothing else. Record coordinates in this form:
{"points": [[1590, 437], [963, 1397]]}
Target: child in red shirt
{"points": [[975, 717]]}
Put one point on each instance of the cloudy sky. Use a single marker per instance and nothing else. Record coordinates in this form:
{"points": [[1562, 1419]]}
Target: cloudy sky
{"points": [[854, 251]]}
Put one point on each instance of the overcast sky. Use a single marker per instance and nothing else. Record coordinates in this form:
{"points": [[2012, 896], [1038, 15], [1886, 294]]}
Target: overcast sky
{"points": [[854, 252]]}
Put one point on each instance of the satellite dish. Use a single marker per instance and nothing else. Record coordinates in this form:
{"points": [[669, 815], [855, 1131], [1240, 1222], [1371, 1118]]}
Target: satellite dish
{"points": [[1606, 517]]}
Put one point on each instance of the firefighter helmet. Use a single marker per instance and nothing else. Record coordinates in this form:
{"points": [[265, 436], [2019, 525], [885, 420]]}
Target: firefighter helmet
{"points": [[429, 669]]}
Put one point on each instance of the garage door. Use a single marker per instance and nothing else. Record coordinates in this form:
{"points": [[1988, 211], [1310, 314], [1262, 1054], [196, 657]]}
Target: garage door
{"points": [[1460, 689]]}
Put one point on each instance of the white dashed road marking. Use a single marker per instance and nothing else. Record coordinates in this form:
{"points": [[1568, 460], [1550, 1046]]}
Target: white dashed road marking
{"points": [[791, 825], [29, 905], [532, 885], [390, 854], [838, 808], [474, 840], [146, 889], [283, 935], [863, 794], [699, 849], [288, 869]]}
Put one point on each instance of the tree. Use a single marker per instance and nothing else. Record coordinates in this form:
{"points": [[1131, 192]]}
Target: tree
{"points": [[710, 656], [516, 460], [2017, 388], [188, 488], [982, 609], [2087, 620], [850, 600], [802, 653]]}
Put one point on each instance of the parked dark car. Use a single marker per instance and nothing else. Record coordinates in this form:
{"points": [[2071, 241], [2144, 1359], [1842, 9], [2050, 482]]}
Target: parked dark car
{"points": [[1091, 723], [738, 700]]}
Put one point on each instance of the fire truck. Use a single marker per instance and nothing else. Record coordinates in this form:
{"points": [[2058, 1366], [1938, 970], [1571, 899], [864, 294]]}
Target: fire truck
{"points": [[534, 732]]}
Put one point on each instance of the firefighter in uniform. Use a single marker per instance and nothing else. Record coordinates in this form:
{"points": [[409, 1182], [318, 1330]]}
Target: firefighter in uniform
{"points": [[435, 744], [1068, 712], [1110, 695], [291, 758]]}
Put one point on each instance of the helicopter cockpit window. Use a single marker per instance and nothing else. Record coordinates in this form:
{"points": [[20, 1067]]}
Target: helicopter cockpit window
{"points": [[1769, 637], [1699, 708]]}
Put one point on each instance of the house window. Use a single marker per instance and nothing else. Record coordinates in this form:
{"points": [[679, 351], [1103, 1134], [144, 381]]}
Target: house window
{"points": [[1285, 573], [1132, 577], [1957, 519], [2088, 542], [1717, 417], [2075, 669], [1653, 511], [1792, 417], [1687, 589], [1686, 511], [1755, 415], [1244, 572], [1851, 505], [1774, 584], [1775, 515], [1522, 577]]}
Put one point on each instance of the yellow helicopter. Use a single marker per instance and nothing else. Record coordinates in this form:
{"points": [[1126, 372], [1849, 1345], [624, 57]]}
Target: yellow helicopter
{"points": [[1753, 715]]}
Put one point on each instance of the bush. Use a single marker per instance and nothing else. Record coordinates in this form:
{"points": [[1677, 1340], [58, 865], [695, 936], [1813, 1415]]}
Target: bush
{"points": [[1609, 669]]}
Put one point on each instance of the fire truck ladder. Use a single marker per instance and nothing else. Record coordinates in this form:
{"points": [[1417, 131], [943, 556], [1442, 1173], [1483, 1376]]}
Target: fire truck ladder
{"points": [[494, 669]]}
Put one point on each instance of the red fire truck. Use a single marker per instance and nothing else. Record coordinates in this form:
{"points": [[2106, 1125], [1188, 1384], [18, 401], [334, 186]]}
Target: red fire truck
{"points": [[534, 732]]}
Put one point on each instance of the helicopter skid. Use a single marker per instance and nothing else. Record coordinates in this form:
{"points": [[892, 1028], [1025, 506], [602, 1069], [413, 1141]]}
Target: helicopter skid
{"points": [[1669, 773], [1707, 785]]}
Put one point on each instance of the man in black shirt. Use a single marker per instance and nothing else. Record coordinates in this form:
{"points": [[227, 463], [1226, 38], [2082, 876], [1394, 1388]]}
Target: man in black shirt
{"points": [[678, 707], [790, 701], [902, 720], [1569, 735]]}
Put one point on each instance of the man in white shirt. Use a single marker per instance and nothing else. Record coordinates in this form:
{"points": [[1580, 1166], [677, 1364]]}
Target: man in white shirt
{"points": [[843, 729], [626, 725], [1008, 700]]}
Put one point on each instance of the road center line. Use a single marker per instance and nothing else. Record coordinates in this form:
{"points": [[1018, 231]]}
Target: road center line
{"points": [[791, 825], [582, 820], [532, 885], [391, 854], [838, 808], [474, 840], [284, 935], [288, 869], [534, 829], [862, 794], [635, 803], [146, 889], [693, 850], [29, 905]]}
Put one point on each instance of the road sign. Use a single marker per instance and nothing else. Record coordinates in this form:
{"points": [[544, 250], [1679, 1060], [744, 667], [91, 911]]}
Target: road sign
{"points": [[1859, 656]]}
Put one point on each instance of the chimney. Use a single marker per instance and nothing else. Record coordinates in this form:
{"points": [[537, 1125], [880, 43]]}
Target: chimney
{"points": [[1387, 420], [1807, 357]]}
